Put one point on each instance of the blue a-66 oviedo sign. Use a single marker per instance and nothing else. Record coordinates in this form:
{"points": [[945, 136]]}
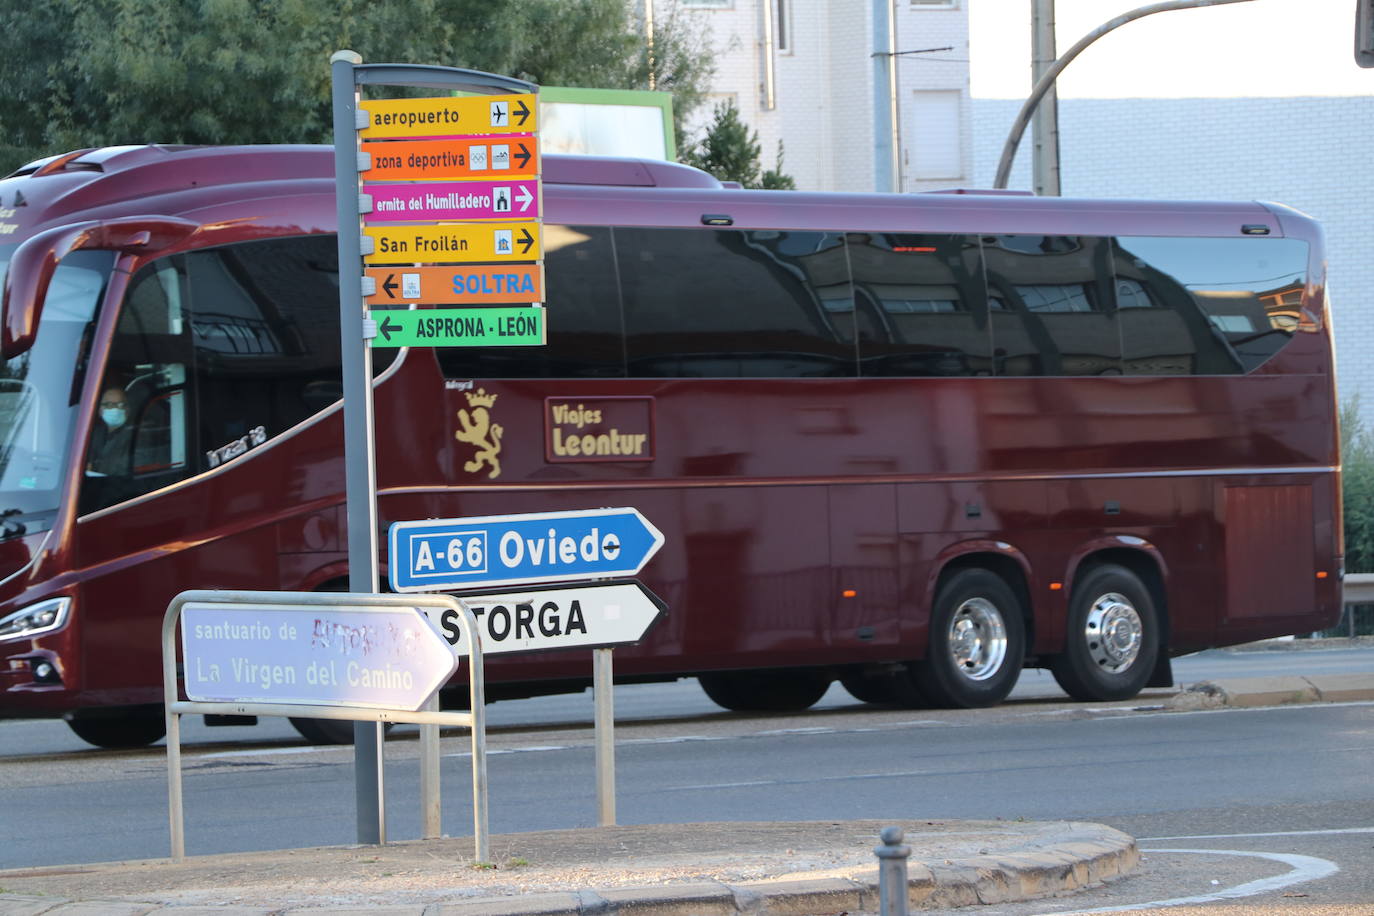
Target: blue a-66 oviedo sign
{"points": [[458, 553]]}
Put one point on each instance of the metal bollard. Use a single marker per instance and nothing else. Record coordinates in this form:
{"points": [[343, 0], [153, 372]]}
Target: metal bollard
{"points": [[892, 884]]}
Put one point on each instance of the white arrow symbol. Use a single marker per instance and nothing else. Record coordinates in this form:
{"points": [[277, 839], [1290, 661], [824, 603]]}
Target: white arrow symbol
{"points": [[525, 198]]}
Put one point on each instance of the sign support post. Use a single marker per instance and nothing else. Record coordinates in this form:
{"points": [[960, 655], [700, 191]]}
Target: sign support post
{"points": [[604, 725], [348, 74], [359, 458]]}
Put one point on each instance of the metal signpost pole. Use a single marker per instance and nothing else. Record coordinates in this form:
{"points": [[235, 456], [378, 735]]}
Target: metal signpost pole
{"points": [[359, 462], [430, 809], [604, 722]]}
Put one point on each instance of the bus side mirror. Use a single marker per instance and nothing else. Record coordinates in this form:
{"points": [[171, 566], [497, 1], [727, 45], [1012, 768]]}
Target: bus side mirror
{"points": [[36, 259]]}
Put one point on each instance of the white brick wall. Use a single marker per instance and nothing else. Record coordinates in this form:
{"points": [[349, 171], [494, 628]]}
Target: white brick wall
{"points": [[1309, 153]]}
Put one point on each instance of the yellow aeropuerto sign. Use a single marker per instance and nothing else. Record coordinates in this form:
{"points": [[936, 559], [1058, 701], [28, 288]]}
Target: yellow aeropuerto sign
{"points": [[450, 116], [454, 243]]}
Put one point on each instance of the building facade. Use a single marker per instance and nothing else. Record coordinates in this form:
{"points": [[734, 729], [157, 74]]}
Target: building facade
{"points": [[802, 73]]}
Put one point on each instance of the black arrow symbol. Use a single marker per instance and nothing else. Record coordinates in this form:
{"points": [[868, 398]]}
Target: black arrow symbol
{"points": [[523, 111], [523, 156], [526, 241], [386, 327], [391, 286]]}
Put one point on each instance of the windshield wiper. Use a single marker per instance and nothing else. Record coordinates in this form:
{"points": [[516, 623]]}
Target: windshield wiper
{"points": [[11, 527]]}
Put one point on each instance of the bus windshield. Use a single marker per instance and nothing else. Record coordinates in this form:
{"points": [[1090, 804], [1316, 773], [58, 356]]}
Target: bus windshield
{"points": [[40, 390]]}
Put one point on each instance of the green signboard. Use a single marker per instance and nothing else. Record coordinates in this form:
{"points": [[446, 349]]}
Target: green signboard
{"points": [[519, 326]]}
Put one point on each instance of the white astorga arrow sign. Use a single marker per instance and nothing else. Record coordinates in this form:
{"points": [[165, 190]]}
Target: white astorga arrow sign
{"points": [[382, 657], [591, 615]]}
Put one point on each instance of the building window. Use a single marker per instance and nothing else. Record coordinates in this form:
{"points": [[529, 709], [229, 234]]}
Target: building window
{"points": [[936, 148], [782, 24], [935, 4]]}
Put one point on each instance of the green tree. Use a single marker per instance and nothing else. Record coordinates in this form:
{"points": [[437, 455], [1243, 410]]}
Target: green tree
{"points": [[730, 151], [1357, 485], [84, 73]]}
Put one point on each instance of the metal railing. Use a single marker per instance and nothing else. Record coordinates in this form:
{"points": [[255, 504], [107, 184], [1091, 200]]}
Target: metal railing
{"points": [[429, 719]]}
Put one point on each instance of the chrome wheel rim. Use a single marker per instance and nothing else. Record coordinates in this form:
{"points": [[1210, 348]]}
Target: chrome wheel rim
{"points": [[977, 639], [1113, 633]]}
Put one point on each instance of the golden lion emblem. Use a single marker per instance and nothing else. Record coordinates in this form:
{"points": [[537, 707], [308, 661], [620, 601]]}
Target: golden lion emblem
{"points": [[477, 429]]}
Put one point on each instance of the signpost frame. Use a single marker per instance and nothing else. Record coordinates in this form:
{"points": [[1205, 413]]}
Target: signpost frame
{"points": [[429, 715], [348, 74]]}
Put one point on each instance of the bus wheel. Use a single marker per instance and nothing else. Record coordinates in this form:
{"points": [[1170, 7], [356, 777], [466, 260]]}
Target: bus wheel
{"points": [[867, 687], [1113, 637], [977, 644], [783, 690], [137, 726], [328, 731]]}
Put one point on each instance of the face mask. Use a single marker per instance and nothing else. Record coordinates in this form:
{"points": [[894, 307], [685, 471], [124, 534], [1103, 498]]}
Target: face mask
{"points": [[113, 417]]}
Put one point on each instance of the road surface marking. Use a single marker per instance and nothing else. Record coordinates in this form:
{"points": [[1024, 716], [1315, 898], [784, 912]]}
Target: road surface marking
{"points": [[1304, 868]]}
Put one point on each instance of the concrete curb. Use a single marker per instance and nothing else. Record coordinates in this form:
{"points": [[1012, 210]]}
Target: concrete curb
{"points": [[1290, 690], [1075, 856]]}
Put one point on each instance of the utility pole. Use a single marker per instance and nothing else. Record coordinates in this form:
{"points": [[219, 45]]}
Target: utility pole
{"points": [[1046, 81], [886, 145], [1045, 126]]}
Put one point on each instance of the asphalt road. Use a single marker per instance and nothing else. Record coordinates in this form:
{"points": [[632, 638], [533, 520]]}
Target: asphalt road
{"points": [[1255, 790], [684, 699]]}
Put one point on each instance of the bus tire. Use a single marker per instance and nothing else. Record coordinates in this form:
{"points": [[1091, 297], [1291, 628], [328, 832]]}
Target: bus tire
{"points": [[868, 687], [779, 690], [1113, 637], [137, 726], [977, 644], [328, 731]]}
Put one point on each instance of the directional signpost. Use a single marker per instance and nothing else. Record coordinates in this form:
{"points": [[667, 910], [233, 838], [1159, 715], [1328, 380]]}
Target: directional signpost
{"points": [[384, 657], [463, 553], [328, 655], [470, 157], [477, 283], [451, 116], [481, 145], [496, 327], [585, 615], [452, 243], [459, 553], [460, 166], [441, 198]]}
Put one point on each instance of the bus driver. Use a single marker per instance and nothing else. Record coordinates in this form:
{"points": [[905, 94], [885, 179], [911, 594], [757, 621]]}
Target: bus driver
{"points": [[111, 440]]}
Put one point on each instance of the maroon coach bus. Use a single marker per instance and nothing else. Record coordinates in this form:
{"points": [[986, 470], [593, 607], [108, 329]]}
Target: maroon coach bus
{"points": [[914, 443]]}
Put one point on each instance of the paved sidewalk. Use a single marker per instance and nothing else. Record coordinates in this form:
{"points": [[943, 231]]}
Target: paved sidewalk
{"points": [[693, 869], [1286, 690]]}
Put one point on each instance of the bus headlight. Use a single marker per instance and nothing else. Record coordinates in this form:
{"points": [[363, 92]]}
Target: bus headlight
{"points": [[43, 617]]}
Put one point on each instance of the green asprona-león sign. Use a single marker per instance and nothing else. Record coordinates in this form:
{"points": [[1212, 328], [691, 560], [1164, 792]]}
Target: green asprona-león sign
{"points": [[521, 326]]}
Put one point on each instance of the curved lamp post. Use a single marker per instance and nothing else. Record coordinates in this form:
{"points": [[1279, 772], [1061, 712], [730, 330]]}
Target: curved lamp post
{"points": [[1047, 78]]}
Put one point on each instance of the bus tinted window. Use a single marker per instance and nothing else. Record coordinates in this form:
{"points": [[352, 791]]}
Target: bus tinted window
{"points": [[265, 330], [215, 352], [1053, 308], [921, 305], [585, 338], [729, 303], [1239, 297], [142, 437]]}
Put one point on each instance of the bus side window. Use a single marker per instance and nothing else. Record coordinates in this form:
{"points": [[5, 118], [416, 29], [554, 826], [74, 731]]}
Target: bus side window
{"points": [[141, 434], [1239, 298], [264, 322], [582, 311], [922, 305], [702, 303], [1053, 305]]}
